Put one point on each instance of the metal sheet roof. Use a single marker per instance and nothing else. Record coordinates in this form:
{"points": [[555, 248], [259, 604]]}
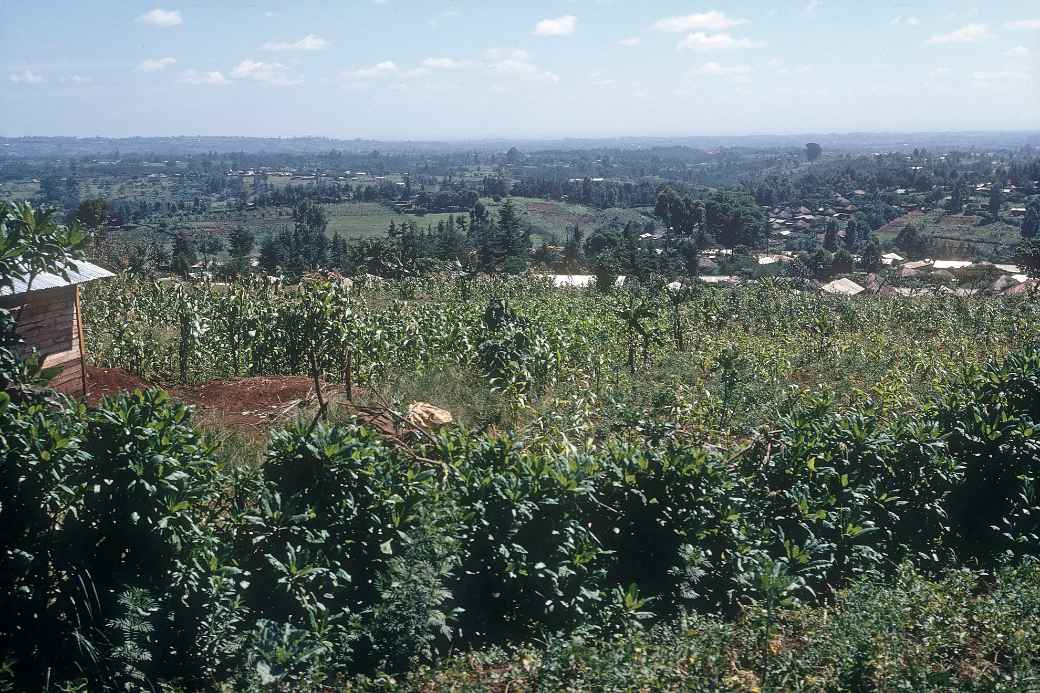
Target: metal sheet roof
{"points": [[79, 272], [843, 286]]}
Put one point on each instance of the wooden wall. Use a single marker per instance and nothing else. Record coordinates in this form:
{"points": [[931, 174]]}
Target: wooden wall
{"points": [[49, 321]]}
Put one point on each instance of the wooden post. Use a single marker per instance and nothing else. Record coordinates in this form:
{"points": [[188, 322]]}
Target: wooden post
{"points": [[82, 348]]}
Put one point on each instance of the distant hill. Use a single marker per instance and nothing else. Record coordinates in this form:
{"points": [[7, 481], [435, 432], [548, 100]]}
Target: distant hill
{"points": [[58, 147]]}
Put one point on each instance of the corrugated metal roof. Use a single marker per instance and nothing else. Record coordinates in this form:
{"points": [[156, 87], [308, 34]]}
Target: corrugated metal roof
{"points": [[79, 272], [843, 286]]}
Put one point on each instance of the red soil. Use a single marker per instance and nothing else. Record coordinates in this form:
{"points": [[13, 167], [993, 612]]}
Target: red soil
{"points": [[249, 404], [110, 381], [256, 402]]}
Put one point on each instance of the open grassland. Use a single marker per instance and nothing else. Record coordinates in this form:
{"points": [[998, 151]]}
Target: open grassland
{"points": [[554, 220], [14, 191], [370, 219], [953, 227]]}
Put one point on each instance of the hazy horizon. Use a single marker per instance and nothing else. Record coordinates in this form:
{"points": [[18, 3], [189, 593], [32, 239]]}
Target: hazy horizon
{"points": [[392, 70]]}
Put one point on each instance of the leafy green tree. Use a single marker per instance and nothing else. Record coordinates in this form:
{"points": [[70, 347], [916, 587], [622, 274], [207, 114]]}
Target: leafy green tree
{"points": [[1027, 256], [33, 242], [242, 241], [1031, 221], [735, 219], [996, 199], [93, 213], [852, 233], [572, 251], [830, 238], [956, 203], [842, 262], [871, 256], [512, 241], [911, 242]]}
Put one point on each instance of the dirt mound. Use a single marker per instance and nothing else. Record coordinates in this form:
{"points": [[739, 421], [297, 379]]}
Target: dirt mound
{"points": [[250, 404], [256, 402], [111, 381]]}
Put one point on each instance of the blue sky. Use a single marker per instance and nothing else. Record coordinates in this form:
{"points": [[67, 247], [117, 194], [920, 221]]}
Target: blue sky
{"points": [[440, 69]]}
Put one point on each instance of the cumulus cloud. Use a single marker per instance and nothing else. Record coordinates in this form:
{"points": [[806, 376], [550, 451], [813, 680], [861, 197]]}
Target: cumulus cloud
{"points": [[507, 54], [907, 21], [156, 64], [382, 70], [561, 26], [969, 33], [163, 18], [706, 43], [1028, 24], [444, 63], [999, 76], [26, 76], [1017, 52], [737, 73], [212, 78], [275, 74], [706, 21], [76, 79], [630, 42], [519, 69], [516, 65], [310, 42]]}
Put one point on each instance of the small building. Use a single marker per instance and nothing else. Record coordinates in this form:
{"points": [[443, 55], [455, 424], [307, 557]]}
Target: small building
{"points": [[843, 286], [48, 318]]}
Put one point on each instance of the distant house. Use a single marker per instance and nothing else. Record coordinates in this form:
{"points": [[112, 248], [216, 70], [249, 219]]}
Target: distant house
{"points": [[891, 258], [952, 264], [843, 286], [1017, 211], [48, 318]]}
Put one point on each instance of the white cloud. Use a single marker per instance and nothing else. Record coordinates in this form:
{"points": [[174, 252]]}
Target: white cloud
{"points": [[387, 68], [275, 74], [706, 43], [907, 21], [812, 6], [310, 42], [26, 76], [969, 33], [164, 18], [1017, 52], [738, 73], [444, 63], [77, 79], [561, 26], [706, 21], [517, 65], [630, 42], [522, 70], [507, 54], [156, 64], [999, 76], [1029, 24], [212, 78]]}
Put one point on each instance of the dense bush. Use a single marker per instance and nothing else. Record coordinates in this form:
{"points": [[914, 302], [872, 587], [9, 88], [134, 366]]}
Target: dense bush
{"points": [[134, 554], [966, 632]]}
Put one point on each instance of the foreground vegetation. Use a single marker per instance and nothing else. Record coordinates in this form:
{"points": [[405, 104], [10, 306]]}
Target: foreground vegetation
{"points": [[965, 632], [517, 353], [137, 552]]}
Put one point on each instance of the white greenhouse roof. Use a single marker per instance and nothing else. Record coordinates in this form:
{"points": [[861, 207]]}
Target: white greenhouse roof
{"points": [[79, 272]]}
